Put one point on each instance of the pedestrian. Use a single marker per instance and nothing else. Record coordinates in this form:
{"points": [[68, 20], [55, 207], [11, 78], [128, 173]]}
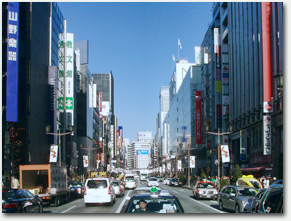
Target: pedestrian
{"points": [[15, 183], [213, 180]]}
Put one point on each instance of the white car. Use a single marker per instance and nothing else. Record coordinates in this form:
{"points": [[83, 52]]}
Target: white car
{"points": [[118, 188], [153, 182], [167, 181], [99, 190], [129, 183]]}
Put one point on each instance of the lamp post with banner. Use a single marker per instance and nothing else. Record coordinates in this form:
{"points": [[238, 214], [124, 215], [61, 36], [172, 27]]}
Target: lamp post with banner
{"points": [[218, 150], [59, 134]]}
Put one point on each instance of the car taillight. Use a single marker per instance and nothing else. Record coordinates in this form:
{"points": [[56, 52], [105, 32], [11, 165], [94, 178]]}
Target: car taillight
{"points": [[124, 183], [119, 189], [9, 205], [109, 190], [134, 183], [85, 191], [197, 190]]}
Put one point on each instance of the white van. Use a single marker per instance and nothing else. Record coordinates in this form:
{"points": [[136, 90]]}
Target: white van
{"points": [[99, 190]]}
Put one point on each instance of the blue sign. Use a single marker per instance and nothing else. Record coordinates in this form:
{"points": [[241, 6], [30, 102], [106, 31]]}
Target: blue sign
{"points": [[12, 62], [142, 152]]}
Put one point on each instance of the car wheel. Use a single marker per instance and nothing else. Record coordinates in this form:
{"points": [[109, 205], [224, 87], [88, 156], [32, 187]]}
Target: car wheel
{"points": [[237, 209], [221, 205]]}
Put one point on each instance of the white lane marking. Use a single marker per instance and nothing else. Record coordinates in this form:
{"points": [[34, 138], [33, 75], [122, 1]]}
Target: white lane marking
{"points": [[69, 209], [122, 203], [175, 191], [208, 206]]}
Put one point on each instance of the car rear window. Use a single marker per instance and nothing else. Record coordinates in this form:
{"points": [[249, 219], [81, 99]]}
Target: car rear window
{"points": [[153, 179], [96, 184], [115, 183], [206, 185], [128, 178]]}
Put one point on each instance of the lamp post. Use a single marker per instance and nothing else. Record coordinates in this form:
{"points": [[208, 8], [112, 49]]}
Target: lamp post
{"points": [[218, 150], [59, 134]]}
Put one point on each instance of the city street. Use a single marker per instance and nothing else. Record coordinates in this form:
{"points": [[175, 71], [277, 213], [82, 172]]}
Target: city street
{"points": [[185, 196]]}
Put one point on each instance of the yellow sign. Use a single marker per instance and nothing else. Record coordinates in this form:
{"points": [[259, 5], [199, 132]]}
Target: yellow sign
{"points": [[218, 87]]}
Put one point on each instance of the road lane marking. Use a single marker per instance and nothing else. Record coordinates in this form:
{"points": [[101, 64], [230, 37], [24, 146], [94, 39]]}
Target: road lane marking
{"points": [[208, 206], [69, 209], [122, 203]]}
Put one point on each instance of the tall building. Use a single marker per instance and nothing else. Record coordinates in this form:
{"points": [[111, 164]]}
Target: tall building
{"points": [[233, 83]]}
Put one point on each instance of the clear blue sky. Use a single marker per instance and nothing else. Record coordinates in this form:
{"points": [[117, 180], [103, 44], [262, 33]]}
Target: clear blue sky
{"points": [[137, 42]]}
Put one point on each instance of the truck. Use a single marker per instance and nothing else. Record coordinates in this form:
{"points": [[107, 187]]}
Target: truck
{"points": [[47, 181]]}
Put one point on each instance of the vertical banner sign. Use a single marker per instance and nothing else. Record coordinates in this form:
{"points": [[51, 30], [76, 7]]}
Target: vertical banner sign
{"points": [[267, 135], [12, 62], [52, 113], [243, 145], [53, 153], [85, 161], [225, 154], [198, 116], [164, 168], [100, 104], [94, 95], [192, 161], [90, 94], [179, 162], [197, 55], [169, 166], [66, 63]]}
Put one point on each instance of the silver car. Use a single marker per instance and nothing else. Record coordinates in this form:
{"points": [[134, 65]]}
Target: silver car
{"points": [[118, 188], [236, 198], [205, 190]]}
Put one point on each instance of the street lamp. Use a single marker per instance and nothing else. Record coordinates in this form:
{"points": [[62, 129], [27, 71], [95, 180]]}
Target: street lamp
{"points": [[218, 150], [59, 134]]}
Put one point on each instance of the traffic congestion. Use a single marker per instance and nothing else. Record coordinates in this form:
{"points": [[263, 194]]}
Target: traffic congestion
{"points": [[126, 192]]}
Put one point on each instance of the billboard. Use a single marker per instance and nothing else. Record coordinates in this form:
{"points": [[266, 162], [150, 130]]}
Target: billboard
{"points": [[105, 108], [142, 152], [12, 62]]}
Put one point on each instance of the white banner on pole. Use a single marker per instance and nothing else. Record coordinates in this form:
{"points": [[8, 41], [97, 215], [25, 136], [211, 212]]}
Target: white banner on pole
{"points": [[192, 161], [54, 153], [225, 154], [85, 161], [179, 162], [169, 166]]}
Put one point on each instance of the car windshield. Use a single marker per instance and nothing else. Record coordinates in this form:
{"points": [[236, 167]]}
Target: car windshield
{"points": [[96, 184], [206, 185], [156, 205], [174, 180], [246, 191]]}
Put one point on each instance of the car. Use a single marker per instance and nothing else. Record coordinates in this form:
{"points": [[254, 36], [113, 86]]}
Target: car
{"points": [[162, 202], [249, 180], [129, 182], [159, 179], [76, 189], [118, 188], [99, 190], [141, 190], [204, 190], [257, 199], [276, 182], [167, 181], [20, 201], [272, 200], [175, 182], [236, 198], [152, 182]]}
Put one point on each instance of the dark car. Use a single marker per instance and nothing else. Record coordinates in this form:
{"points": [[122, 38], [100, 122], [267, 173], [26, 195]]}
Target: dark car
{"points": [[20, 201], [272, 200], [76, 190], [258, 198], [162, 202], [175, 182]]}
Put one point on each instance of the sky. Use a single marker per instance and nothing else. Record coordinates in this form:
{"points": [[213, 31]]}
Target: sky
{"points": [[137, 41]]}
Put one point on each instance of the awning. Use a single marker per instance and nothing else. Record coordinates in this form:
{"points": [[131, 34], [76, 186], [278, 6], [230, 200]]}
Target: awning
{"points": [[255, 169]]}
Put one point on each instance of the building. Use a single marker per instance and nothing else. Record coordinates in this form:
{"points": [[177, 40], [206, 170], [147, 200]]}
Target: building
{"points": [[233, 83], [25, 104]]}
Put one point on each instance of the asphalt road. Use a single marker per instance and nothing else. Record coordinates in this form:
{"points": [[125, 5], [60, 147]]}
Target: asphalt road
{"points": [[190, 205]]}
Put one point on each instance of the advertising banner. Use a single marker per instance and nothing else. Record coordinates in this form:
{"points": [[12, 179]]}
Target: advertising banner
{"points": [[267, 134], [197, 55], [243, 145], [12, 62], [142, 152], [216, 41], [105, 108], [198, 117], [192, 161], [164, 168], [54, 153], [225, 154], [85, 161], [169, 166], [179, 164]]}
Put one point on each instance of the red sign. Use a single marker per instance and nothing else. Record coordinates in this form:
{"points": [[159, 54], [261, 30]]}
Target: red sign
{"points": [[198, 116]]}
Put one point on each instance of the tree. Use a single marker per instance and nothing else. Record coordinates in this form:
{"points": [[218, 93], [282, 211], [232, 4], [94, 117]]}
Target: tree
{"points": [[237, 174]]}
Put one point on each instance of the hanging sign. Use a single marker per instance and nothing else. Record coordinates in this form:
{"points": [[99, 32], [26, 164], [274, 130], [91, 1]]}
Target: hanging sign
{"points": [[53, 153], [85, 161]]}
